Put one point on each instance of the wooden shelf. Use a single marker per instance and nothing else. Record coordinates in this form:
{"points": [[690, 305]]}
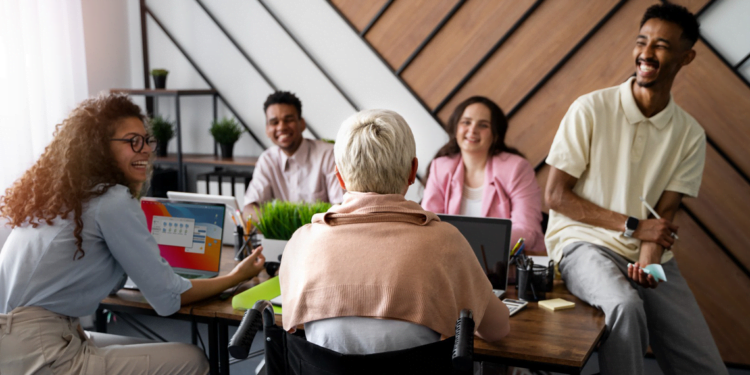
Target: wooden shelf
{"points": [[209, 159], [164, 92]]}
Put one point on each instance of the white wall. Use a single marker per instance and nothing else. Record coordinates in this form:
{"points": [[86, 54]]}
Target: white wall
{"points": [[726, 25]]}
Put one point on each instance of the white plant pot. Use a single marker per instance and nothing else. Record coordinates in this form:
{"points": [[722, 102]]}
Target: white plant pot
{"points": [[272, 249]]}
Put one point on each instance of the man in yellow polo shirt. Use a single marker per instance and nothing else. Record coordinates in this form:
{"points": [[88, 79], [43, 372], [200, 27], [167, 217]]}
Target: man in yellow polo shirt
{"points": [[614, 146]]}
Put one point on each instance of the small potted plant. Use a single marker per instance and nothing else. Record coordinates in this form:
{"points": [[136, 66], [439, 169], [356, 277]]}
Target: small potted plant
{"points": [[160, 78], [163, 131], [226, 132], [278, 220]]}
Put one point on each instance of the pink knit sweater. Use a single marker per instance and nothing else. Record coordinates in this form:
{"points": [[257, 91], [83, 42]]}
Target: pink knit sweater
{"points": [[385, 257]]}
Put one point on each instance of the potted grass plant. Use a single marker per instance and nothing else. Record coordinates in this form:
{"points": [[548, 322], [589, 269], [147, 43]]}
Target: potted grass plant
{"points": [[278, 220], [160, 78], [163, 131], [226, 132]]}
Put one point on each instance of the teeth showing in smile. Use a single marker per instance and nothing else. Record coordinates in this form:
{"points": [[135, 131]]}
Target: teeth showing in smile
{"points": [[645, 68], [140, 164]]}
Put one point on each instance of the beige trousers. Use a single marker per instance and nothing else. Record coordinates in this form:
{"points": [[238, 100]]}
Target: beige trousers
{"points": [[36, 341]]}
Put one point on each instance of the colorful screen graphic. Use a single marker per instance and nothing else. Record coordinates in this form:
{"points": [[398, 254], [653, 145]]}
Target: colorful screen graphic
{"points": [[188, 234]]}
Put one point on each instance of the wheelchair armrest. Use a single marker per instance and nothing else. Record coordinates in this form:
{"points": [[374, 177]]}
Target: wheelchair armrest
{"points": [[463, 348], [252, 322]]}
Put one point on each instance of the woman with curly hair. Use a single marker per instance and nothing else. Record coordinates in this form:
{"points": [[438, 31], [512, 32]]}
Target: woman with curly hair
{"points": [[77, 229], [477, 174]]}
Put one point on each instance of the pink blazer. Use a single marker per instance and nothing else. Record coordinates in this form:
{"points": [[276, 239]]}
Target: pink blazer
{"points": [[510, 192]]}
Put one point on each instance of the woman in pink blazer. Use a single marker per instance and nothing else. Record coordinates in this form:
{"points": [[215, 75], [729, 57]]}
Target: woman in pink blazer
{"points": [[476, 174]]}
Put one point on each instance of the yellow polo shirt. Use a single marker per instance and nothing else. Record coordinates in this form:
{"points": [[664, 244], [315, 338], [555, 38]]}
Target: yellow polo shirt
{"points": [[618, 154]]}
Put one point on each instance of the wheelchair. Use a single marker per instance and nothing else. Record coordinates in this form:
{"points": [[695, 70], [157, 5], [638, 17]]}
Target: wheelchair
{"points": [[291, 354]]}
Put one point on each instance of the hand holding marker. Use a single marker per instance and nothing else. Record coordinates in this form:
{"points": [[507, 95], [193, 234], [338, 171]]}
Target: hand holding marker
{"points": [[651, 209]]}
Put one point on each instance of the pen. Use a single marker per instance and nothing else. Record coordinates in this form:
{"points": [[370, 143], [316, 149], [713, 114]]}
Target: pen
{"points": [[651, 209], [518, 244]]}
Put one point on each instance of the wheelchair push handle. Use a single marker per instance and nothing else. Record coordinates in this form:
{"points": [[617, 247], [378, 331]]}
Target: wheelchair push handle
{"points": [[252, 322], [463, 348]]}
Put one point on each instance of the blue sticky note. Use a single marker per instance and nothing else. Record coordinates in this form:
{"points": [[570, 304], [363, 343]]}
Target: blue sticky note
{"points": [[657, 271]]}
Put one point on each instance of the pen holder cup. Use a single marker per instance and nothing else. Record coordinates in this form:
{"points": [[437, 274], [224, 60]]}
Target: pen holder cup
{"points": [[532, 285], [240, 249]]}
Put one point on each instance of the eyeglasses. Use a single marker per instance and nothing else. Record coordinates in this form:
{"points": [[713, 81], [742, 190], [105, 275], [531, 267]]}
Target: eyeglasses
{"points": [[137, 142]]}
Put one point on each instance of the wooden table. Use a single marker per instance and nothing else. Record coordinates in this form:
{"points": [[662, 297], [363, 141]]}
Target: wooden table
{"points": [[559, 341]]}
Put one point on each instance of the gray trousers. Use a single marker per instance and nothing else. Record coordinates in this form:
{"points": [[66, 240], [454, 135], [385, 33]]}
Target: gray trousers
{"points": [[668, 317]]}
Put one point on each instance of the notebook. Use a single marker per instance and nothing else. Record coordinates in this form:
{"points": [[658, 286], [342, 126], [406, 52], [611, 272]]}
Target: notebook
{"points": [[189, 235], [490, 240]]}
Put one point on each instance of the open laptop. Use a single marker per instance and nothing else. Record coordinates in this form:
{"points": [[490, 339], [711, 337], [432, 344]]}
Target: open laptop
{"points": [[189, 235], [490, 240], [232, 208]]}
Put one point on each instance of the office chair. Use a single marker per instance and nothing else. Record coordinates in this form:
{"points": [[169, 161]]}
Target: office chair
{"points": [[291, 354]]}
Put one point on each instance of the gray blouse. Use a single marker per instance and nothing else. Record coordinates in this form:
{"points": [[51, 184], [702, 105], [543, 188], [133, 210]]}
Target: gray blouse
{"points": [[37, 266]]}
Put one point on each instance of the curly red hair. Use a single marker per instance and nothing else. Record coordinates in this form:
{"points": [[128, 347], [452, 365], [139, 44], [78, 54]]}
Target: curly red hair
{"points": [[77, 166]]}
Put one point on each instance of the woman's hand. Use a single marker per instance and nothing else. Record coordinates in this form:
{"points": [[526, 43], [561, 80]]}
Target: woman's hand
{"points": [[251, 265]]}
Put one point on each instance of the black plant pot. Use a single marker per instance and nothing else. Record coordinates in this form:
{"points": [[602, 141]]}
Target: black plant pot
{"points": [[161, 148], [226, 149], [160, 82]]}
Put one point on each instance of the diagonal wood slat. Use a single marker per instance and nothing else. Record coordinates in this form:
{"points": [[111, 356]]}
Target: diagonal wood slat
{"points": [[720, 288], [531, 52], [404, 26], [472, 31]]}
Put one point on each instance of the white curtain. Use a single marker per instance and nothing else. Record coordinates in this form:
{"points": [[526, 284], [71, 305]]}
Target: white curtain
{"points": [[42, 77]]}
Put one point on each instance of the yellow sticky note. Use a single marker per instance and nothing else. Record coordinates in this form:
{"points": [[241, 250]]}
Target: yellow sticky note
{"points": [[556, 304]]}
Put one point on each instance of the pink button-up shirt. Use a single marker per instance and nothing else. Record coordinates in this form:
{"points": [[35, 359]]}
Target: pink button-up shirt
{"points": [[510, 192], [308, 175]]}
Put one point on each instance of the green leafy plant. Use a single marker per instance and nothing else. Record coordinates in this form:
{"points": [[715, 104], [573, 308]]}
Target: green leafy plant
{"points": [[226, 130], [161, 129], [159, 72], [331, 141], [278, 220]]}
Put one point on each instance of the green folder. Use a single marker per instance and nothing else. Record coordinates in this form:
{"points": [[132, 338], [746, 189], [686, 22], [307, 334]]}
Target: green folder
{"points": [[267, 290]]}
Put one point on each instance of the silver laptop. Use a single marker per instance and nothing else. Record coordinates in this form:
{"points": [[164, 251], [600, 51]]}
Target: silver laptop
{"points": [[490, 240], [233, 209], [189, 235]]}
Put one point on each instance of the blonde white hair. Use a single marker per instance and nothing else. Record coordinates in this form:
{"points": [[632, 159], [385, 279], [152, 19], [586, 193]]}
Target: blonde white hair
{"points": [[374, 151]]}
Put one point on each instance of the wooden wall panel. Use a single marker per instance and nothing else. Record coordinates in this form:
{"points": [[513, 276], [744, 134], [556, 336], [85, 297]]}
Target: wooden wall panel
{"points": [[720, 288], [531, 52], [404, 26], [462, 42], [723, 206], [605, 60], [720, 101], [359, 12]]}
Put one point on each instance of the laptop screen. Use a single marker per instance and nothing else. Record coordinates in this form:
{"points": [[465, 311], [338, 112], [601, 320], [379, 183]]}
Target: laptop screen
{"points": [[490, 240], [189, 234]]}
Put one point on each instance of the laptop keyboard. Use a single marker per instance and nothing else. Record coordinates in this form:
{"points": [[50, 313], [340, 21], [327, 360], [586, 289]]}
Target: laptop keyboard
{"points": [[189, 276]]}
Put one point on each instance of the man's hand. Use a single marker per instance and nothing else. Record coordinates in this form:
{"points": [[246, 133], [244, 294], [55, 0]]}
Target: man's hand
{"points": [[650, 254], [658, 231]]}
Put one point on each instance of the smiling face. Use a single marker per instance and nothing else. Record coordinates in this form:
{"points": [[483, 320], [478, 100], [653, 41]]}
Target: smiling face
{"points": [[659, 53], [474, 130], [284, 127], [134, 165]]}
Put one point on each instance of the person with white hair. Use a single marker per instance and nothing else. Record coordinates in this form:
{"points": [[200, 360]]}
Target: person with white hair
{"points": [[378, 273]]}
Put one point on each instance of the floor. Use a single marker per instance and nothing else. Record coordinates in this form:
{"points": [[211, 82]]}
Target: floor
{"points": [[174, 330]]}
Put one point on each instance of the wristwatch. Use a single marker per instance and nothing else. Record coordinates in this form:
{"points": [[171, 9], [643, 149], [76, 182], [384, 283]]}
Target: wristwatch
{"points": [[630, 226]]}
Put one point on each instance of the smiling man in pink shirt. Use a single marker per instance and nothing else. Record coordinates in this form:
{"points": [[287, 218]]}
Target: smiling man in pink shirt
{"points": [[295, 169]]}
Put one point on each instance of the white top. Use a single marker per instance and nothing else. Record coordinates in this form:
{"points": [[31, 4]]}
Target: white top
{"points": [[471, 201], [308, 175], [37, 266], [359, 335], [618, 154]]}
